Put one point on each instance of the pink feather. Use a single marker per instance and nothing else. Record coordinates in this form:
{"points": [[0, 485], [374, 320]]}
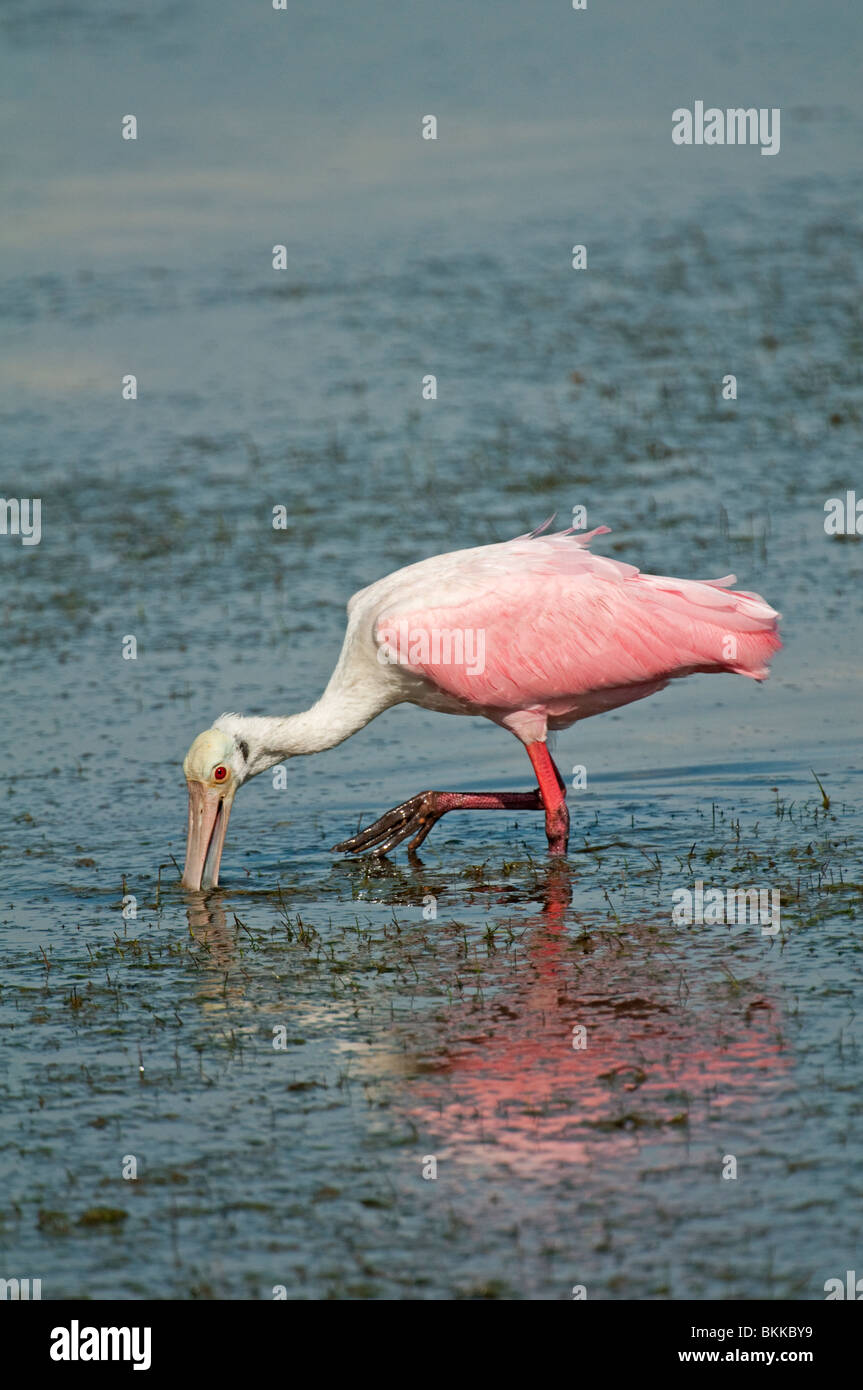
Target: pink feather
{"points": [[568, 633]]}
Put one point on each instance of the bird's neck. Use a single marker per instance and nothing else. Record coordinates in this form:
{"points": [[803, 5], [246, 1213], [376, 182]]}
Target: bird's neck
{"points": [[333, 718]]}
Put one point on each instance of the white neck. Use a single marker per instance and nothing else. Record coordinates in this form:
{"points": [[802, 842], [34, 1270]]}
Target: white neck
{"points": [[333, 718]]}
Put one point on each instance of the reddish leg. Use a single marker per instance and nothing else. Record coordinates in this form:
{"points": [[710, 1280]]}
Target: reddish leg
{"points": [[552, 789], [417, 816]]}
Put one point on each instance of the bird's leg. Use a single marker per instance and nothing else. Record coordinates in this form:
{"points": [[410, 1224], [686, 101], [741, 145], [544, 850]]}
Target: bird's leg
{"points": [[417, 816], [552, 789]]}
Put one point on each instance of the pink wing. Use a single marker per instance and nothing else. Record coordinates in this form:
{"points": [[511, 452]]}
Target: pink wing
{"points": [[569, 633]]}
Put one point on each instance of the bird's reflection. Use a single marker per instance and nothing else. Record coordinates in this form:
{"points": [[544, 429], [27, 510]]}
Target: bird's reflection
{"points": [[207, 915], [597, 1044], [586, 1038]]}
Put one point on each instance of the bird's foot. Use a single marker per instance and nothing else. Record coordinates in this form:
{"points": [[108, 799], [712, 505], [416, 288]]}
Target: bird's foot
{"points": [[414, 817]]}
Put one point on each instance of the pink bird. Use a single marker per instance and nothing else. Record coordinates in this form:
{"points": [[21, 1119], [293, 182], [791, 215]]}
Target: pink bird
{"points": [[533, 634]]}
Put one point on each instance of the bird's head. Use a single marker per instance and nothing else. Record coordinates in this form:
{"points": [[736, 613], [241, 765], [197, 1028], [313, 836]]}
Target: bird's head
{"points": [[215, 766]]}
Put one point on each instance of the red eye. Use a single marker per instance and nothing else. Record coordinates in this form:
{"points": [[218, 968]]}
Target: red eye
{"points": [[220, 773]]}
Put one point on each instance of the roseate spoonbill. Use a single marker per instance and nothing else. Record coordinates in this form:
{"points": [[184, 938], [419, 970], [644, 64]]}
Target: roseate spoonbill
{"points": [[533, 633]]}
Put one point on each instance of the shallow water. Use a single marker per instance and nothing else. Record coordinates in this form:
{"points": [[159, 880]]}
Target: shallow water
{"points": [[409, 1036]]}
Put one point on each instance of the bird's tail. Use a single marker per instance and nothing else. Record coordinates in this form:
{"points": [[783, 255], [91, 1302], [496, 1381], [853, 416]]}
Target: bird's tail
{"points": [[725, 629]]}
